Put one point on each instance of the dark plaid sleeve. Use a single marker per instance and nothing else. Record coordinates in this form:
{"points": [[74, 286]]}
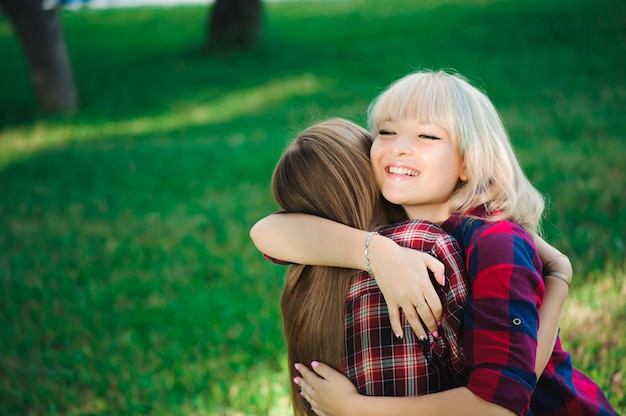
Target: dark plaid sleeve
{"points": [[501, 318]]}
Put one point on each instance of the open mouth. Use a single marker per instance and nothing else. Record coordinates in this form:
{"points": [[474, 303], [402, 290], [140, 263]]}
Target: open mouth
{"points": [[397, 170]]}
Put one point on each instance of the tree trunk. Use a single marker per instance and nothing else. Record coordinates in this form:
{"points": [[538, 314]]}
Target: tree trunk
{"points": [[234, 24], [41, 36]]}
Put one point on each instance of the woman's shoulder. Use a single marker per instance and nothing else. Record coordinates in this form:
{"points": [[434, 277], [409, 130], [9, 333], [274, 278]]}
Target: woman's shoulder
{"points": [[491, 243], [504, 248], [470, 230], [502, 228]]}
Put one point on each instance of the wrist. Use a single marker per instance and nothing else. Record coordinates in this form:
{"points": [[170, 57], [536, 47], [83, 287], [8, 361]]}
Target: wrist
{"points": [[366, 244], [379, 250], [355, 405]]}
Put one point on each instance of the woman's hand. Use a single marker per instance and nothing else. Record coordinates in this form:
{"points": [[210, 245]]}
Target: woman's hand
{"points": [[327, 391], [402, 276], [401, 273]]}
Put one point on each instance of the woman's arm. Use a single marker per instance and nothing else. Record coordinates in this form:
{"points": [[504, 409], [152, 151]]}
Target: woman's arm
{"points": [[307, 239], [401, 273], [330, 393], [556, 293]]}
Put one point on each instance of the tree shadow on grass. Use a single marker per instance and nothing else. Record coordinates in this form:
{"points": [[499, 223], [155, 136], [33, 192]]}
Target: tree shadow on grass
{"points": [[144, 73]]}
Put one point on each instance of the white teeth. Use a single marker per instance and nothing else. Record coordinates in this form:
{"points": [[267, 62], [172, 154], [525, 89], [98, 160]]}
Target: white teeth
{"points": [[396, 170]]}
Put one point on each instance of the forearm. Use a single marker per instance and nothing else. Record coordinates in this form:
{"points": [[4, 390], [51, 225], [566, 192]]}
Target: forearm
{"points": [[549, 317], [556, 292], [307, 239], [451, 402], [330, 393], [401, 273], [553, 260]]}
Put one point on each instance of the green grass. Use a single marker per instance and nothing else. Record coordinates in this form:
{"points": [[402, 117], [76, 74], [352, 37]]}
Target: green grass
{"points": [[128, 281]]}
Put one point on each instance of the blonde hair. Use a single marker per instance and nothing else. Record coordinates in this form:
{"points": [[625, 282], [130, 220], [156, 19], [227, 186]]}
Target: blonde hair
{"points": [[496, 181], [326, 172]]}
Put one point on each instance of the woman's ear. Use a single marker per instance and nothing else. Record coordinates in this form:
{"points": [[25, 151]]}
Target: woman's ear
{"points": [[463, 173]]}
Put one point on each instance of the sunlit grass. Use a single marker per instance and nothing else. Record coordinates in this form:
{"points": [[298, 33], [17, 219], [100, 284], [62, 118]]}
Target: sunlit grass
{"points": [[23, 141], [596, 311]]}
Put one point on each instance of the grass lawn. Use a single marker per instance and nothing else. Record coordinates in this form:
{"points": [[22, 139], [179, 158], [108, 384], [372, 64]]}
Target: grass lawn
{"points": [[128, 282]]}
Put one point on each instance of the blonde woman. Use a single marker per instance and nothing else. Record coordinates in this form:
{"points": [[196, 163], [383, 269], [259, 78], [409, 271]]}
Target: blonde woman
{"points": [[442, 153]]}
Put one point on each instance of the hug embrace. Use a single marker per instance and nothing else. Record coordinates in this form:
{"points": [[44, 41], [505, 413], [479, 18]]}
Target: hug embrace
{"points": [[417, 282]]}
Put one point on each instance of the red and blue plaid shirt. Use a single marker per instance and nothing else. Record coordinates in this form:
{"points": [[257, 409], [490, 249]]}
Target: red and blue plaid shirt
{"points": [[500, 327], [381, 365]]}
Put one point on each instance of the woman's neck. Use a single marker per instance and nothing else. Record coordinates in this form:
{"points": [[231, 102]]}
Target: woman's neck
{"points": [[427, 213]]}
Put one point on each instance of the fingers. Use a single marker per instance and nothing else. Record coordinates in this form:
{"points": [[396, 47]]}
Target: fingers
{"points": [[425, 313], [310, 378], [414, 320], [435, 312], [425, 291], [307, 394], [427, 316], [323, 370], [304, 382], [406, 285], [437, 268], [305, 388], [310, 381], [423, 317], [394, 319]]}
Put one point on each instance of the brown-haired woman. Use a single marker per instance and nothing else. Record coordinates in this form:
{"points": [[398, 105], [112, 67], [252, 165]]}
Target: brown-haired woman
{"points": [[339, 315]]}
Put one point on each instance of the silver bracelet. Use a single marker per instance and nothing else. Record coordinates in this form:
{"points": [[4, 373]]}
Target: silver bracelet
{"points": [[368, 266], [560, 276]]}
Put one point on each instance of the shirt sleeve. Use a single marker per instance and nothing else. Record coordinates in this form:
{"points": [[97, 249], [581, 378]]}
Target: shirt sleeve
{"points": [[277, 261], [453, 301], [501, 319]]}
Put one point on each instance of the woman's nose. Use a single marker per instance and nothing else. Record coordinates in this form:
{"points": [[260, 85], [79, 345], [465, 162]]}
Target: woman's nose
{"points": [[402, 145]]}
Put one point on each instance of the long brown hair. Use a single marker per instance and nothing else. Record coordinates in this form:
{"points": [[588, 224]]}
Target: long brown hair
{"points": [[326, 172]]}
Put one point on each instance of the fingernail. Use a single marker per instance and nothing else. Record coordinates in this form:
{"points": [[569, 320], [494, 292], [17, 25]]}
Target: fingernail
{"points": [[422, 337], [314, 364], [399, 336], [295, 380], [439, 323], [443, 280], [435, 334], [296, 366]]}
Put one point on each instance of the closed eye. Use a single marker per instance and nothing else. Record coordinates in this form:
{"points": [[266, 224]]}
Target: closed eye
{"points": [[384, 132], [426, 136]]}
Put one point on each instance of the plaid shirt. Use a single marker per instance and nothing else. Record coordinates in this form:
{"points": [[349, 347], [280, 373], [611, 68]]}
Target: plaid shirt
{"points": [[381, 365], [500, 327]]}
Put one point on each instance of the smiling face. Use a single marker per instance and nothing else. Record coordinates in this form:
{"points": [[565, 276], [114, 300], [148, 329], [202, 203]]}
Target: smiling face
{"points": [[417, 166]]}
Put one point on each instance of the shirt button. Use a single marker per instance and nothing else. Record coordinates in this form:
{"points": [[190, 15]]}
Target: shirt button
{"points": [[517, 321]]}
